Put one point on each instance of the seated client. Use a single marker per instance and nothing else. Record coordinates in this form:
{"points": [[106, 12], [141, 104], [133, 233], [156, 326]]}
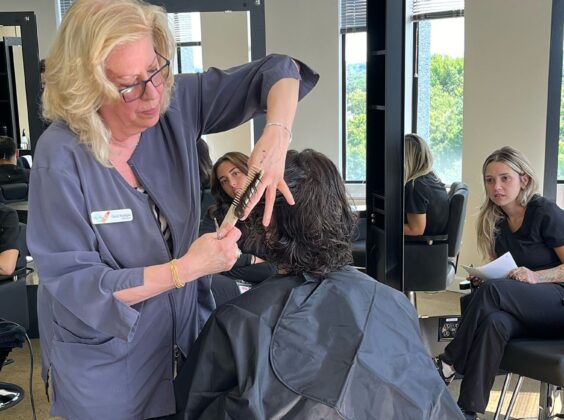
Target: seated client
{"points": [[320, 340]]}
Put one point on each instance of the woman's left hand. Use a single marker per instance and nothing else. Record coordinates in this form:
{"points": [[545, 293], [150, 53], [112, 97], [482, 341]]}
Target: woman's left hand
{"points": [[269, 155], [523, 274]]}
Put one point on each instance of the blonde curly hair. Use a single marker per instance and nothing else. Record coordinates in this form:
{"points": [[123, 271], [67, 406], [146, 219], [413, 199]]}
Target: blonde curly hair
{"points": [[76, 84]]}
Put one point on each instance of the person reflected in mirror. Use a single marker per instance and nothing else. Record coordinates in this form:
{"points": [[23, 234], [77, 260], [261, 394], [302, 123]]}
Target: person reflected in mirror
{"points": [[320, 340], [426, 198], [10, 172], [9, 250], [514, 218], [229, 174]]}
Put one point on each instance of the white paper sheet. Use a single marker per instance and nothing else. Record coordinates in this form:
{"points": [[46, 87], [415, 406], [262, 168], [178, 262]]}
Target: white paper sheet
{"points": [[497, 269]]}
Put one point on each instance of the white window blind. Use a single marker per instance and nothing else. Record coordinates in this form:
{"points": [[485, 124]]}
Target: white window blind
{"points": [[186, 27], [353, 15], [64, 6], [435, 9]]}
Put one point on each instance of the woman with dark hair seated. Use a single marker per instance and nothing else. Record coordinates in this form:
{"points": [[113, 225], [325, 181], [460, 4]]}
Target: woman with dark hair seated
{"points": [[321, 340], [514, 218], [228, 177]]}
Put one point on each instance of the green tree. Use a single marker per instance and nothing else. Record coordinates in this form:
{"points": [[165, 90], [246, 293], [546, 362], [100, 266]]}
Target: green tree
{"points": [[356, 148], [356, 122], [446, 114]]}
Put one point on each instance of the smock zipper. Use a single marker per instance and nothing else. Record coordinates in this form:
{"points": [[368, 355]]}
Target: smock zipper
{"points": [[168, 251]]}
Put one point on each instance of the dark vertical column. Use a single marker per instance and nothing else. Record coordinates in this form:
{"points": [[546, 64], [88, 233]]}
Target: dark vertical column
{"points": [[258, 50], [554, 96], [30, 48], [8, 102], [384, 140]]}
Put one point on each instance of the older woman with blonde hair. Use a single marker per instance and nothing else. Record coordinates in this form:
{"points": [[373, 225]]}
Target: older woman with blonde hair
{"points": [[426, 199], [114, 202], [513, 218]]}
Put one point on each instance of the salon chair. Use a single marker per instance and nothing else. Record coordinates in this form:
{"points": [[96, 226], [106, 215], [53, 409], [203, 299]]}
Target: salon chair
{"points": [[24, 161], [359, 243], [13, 192], [430, 262], [542, 360], [14, 308]]}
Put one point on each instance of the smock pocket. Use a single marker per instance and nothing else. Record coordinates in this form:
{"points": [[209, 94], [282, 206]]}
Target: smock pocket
{"points": [[89, 379]]}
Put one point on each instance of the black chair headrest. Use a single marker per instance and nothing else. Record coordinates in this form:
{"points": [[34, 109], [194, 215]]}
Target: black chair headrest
{"points": [[458, 200]]}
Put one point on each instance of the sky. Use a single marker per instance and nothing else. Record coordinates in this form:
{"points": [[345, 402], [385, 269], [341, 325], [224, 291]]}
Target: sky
{"points": [[447, 38]]}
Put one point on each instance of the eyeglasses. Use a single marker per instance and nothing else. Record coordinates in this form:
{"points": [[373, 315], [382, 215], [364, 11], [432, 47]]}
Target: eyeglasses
{"points": [[137, 90]]}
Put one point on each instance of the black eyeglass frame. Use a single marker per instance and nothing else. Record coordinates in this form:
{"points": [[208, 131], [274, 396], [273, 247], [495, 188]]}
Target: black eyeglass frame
{"points": [[144, 82]]}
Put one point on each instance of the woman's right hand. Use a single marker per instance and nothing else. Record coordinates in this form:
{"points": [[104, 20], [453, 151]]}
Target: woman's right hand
{"points": [[208, 254], [476, 281]]}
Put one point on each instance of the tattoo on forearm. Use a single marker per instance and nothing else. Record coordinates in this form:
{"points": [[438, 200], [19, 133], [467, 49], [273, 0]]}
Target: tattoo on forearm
{"points": [[552, 275]]}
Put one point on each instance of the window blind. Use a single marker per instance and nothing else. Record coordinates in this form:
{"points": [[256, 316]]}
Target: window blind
{"points": [[435, 9], [185, 27], [64, 6], [353, 16]]}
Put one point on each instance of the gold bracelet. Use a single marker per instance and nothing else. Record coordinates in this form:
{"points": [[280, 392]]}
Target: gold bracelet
{"points": [[174, 271], [281, 126]]}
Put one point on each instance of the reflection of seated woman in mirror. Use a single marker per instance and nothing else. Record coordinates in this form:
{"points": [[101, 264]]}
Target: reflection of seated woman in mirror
{"points": [[229, 174], [9, 231], [319, 341], [515, 218], [426, 199]]}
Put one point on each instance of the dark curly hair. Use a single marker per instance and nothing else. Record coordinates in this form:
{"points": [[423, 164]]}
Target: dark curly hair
{"points": [[315, 234]]}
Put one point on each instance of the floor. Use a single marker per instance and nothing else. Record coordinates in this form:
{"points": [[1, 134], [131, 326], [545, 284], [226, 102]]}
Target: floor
{"points": [[428, 304]]}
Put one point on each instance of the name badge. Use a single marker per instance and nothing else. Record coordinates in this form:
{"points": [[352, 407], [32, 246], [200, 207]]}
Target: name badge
{"points": [[111, 216]]}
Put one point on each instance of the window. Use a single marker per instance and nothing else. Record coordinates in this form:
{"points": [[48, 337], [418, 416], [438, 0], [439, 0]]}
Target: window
{"points": [[354, 121], [440, 85], [63, 7], [188, 36], [353, 42], [439, 82]]}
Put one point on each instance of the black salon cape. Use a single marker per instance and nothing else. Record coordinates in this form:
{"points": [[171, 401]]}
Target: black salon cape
{"points": [[299, 348]]}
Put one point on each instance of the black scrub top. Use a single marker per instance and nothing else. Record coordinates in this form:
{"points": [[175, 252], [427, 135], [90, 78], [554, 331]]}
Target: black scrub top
{"points": [[427, 195], [532, 245], [9, 231]]}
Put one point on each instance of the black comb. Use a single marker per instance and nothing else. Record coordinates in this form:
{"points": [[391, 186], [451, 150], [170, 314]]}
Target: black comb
{"points": [[241, 201]]}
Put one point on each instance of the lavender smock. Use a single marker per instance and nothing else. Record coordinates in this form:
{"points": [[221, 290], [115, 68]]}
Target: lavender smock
{"points": [[109, 360]]}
